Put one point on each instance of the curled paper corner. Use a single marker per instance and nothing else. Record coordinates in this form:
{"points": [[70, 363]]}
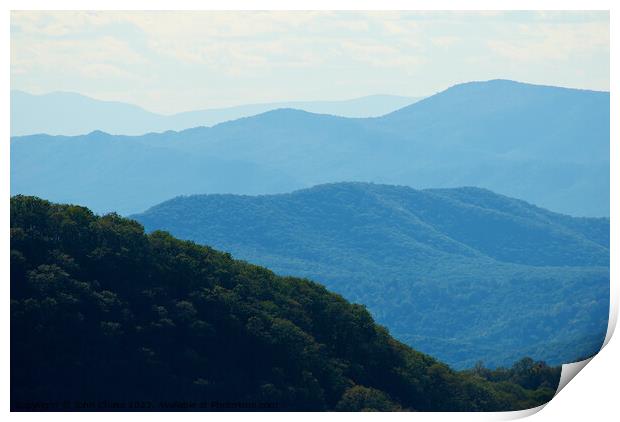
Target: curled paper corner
{"points": [[519, 414], [613, 320], [569, 370]]}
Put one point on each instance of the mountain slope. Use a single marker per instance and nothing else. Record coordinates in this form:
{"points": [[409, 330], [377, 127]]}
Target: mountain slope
{"points": [[67, 113], [104, 317], [546, 145], [463, 274]]}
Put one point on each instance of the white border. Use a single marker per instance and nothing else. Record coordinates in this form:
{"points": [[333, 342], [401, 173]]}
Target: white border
{"points": [[592, 396]]}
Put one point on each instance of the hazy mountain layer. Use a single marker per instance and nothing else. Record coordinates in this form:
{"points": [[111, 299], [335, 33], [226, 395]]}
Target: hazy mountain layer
{"points": [[68, 113], [546, 145]]}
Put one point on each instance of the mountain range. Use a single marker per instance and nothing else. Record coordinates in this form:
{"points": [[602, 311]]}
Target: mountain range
{"points": [[462, 274], [69, 113], [546, 145]]}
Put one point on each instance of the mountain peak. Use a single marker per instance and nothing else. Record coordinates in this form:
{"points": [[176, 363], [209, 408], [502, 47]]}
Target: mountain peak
{"points": [[512, 84], [99, 134]]}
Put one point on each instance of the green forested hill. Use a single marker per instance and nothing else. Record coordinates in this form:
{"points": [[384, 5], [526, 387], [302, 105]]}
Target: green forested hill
{"points": [[462, 274], [105, 316]]}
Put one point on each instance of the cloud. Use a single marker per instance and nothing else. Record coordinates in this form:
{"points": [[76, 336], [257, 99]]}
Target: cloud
{"points": [[58, 24], [544, 42], [68, 55], [378, 54], [445, 41]]}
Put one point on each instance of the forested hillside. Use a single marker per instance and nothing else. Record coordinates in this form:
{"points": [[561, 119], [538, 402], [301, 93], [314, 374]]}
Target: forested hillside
{"points": [[104, 316], [463, 274]]}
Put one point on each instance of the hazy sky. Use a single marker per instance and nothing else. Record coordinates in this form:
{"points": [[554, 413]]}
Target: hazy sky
{"points": [[176, 61]]}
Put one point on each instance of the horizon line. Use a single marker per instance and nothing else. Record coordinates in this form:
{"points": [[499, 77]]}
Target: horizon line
{"points": [[283, 102]]}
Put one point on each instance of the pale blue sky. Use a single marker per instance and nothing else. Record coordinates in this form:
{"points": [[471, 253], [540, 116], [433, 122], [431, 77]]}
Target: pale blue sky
{"points": [[171, 62]]}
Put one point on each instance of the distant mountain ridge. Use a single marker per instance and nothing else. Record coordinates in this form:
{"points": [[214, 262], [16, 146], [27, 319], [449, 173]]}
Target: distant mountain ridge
{"points": [[525, 281], [69, 113], [546, 145]]}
